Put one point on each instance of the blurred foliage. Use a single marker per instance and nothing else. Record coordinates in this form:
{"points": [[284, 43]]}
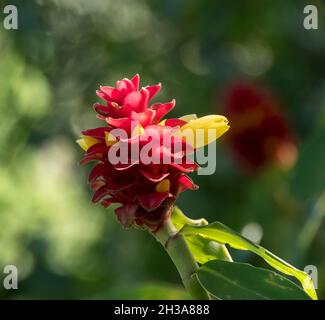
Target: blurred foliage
{"points": [[64, 246]]}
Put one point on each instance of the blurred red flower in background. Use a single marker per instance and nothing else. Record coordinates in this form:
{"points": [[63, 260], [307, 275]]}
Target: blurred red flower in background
{"points": [[260, 135]]}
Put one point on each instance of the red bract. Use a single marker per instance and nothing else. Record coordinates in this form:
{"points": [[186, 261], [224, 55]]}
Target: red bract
{"points": [[126, 102], [145, 191], [260, 135]]}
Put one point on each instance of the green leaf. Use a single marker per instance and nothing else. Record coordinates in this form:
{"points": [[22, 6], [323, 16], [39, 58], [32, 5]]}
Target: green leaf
{"points": [[179, 219], [205, 250], [241, 281], [218, 232], [202, 249]]}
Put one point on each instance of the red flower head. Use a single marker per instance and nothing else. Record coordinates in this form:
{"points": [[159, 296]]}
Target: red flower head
{"points": [[142, 162], [260, 134]]}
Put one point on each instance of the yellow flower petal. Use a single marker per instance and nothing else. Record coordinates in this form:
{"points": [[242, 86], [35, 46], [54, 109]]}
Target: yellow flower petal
{"points": [[82, 144], [137, 131], [163, 186], [85, 142], [202, 131], [109, 139]]}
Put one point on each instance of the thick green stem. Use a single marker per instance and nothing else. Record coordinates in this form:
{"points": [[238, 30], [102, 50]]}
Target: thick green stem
{"points": [[177, 248]]}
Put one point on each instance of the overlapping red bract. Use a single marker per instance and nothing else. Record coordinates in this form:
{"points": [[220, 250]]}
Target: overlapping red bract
{"points": [[260, 134], [133, 185], [126, 102]]}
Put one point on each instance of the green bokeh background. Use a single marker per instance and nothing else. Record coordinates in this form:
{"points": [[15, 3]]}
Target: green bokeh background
{"points": [[65, 247]]}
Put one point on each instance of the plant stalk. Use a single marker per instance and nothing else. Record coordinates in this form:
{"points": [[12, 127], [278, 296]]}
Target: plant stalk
{"points": [[177, 248]]}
